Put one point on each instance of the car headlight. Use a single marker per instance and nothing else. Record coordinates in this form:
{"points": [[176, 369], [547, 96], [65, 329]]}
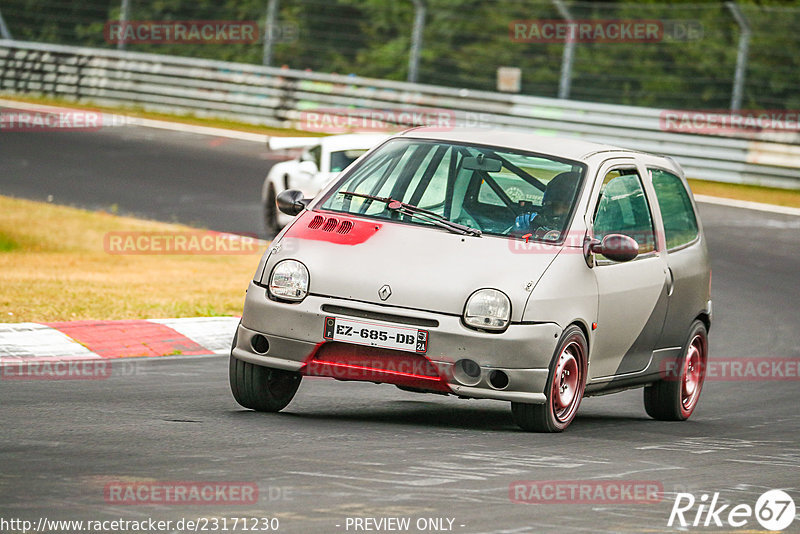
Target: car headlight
{"points": [[488, 309], [289, 280]]}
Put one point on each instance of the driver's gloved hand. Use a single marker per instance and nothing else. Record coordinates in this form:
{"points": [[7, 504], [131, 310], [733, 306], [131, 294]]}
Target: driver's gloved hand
{"points": [[523, 222]]}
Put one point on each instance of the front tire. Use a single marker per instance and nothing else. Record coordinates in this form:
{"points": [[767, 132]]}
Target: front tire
{"points": [[675, 398], [262, 389], [565, 386]]}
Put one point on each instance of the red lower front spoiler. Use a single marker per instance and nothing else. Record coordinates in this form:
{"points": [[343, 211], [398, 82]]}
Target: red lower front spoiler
{"points": [[345, 361]]}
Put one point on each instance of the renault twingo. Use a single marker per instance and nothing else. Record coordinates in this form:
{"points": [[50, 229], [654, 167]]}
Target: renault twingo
{"points": [[486, 264]]}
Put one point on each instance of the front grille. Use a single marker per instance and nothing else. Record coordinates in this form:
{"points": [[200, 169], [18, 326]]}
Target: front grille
{"points": [[378, 316]]}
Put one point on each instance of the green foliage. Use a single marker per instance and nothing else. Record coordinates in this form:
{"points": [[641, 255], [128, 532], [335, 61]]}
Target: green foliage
{"points": [[464, 41], [7, 244]]}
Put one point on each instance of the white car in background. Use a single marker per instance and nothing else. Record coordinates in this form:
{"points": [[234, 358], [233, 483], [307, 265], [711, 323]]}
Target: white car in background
{"points": [[323, 158]]}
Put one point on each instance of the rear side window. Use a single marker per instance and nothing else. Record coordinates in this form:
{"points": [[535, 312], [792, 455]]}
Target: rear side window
{"points": [[680, 223]]}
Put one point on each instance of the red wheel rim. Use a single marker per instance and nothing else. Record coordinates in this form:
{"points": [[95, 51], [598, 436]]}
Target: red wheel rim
{"points": [[694, 373], [565, 395]]}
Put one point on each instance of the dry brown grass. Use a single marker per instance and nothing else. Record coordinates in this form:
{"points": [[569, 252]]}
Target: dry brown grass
{"points": [[767, 195], [53, 267]]}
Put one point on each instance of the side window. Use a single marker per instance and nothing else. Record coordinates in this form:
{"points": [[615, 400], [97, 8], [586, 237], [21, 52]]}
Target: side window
{"points": [[680, 222], [341, 159], [622, 209], [314, 154]]}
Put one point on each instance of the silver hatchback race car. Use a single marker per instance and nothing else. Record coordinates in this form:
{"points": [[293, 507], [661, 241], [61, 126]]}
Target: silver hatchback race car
{"points": [[486, 264]]}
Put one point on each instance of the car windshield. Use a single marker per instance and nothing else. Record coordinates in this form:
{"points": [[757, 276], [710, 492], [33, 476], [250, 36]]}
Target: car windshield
{"points": [[341, 159], [492, 189]]}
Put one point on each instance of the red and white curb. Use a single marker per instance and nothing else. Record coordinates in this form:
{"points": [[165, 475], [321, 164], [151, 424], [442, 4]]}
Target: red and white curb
{"points": [[94, 340]]}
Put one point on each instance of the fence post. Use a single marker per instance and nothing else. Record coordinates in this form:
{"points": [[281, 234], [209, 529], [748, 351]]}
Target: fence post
{"points": [[4, 33], [565, 80], [416, 40], [269, 31], [124, 15], [741, 55]]}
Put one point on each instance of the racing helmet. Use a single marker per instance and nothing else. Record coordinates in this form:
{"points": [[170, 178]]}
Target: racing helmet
{"points": [[558, 197]]}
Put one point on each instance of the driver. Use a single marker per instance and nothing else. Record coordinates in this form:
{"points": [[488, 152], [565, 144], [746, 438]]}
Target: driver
{"points": [[555, 207]]}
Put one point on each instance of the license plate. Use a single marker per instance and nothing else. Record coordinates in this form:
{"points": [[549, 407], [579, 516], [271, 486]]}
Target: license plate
{"points": [[376, 334]]}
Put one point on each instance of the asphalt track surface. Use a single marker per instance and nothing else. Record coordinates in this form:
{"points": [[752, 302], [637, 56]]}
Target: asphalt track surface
{"points": [[348, 450], [211, 182]]}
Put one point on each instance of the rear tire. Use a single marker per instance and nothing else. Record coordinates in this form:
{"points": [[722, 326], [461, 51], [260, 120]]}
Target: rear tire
{"points": [[565, 386], [676, 397], [262, 389], [271, 213]]}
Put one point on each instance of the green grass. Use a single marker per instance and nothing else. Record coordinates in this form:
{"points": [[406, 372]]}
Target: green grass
{"points": [[7, 244]]}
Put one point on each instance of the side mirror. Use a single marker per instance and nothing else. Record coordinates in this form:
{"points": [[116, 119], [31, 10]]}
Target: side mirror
{"points": [[291, 201], [307, 167], [615, 247]]}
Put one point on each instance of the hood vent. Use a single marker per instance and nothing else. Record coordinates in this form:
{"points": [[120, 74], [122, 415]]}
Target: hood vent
{"points": [[316, 222], [345, 227], [330, 224]]}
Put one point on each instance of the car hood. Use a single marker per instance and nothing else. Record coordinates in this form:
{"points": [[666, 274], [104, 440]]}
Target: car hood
{"points": [[427, 268]]}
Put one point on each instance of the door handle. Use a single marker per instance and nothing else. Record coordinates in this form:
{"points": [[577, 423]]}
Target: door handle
{"points": [[670, 282]]}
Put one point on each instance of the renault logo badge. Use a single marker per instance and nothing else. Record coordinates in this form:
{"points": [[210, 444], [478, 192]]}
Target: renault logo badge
{"points": [[385, 292]]}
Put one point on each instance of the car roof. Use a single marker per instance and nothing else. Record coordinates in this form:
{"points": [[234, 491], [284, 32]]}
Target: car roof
{"points": [[563, 147], [352, 141]]}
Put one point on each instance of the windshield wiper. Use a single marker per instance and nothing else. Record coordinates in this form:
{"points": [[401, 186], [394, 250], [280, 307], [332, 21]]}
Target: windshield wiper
{"points": [[410, 209]]}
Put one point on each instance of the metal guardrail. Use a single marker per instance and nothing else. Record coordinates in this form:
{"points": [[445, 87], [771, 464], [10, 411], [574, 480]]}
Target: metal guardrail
{"points": [[278, 97]]}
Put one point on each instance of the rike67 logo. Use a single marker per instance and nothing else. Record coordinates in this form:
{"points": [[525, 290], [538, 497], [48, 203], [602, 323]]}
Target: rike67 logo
{"points": [[774, 510]]}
